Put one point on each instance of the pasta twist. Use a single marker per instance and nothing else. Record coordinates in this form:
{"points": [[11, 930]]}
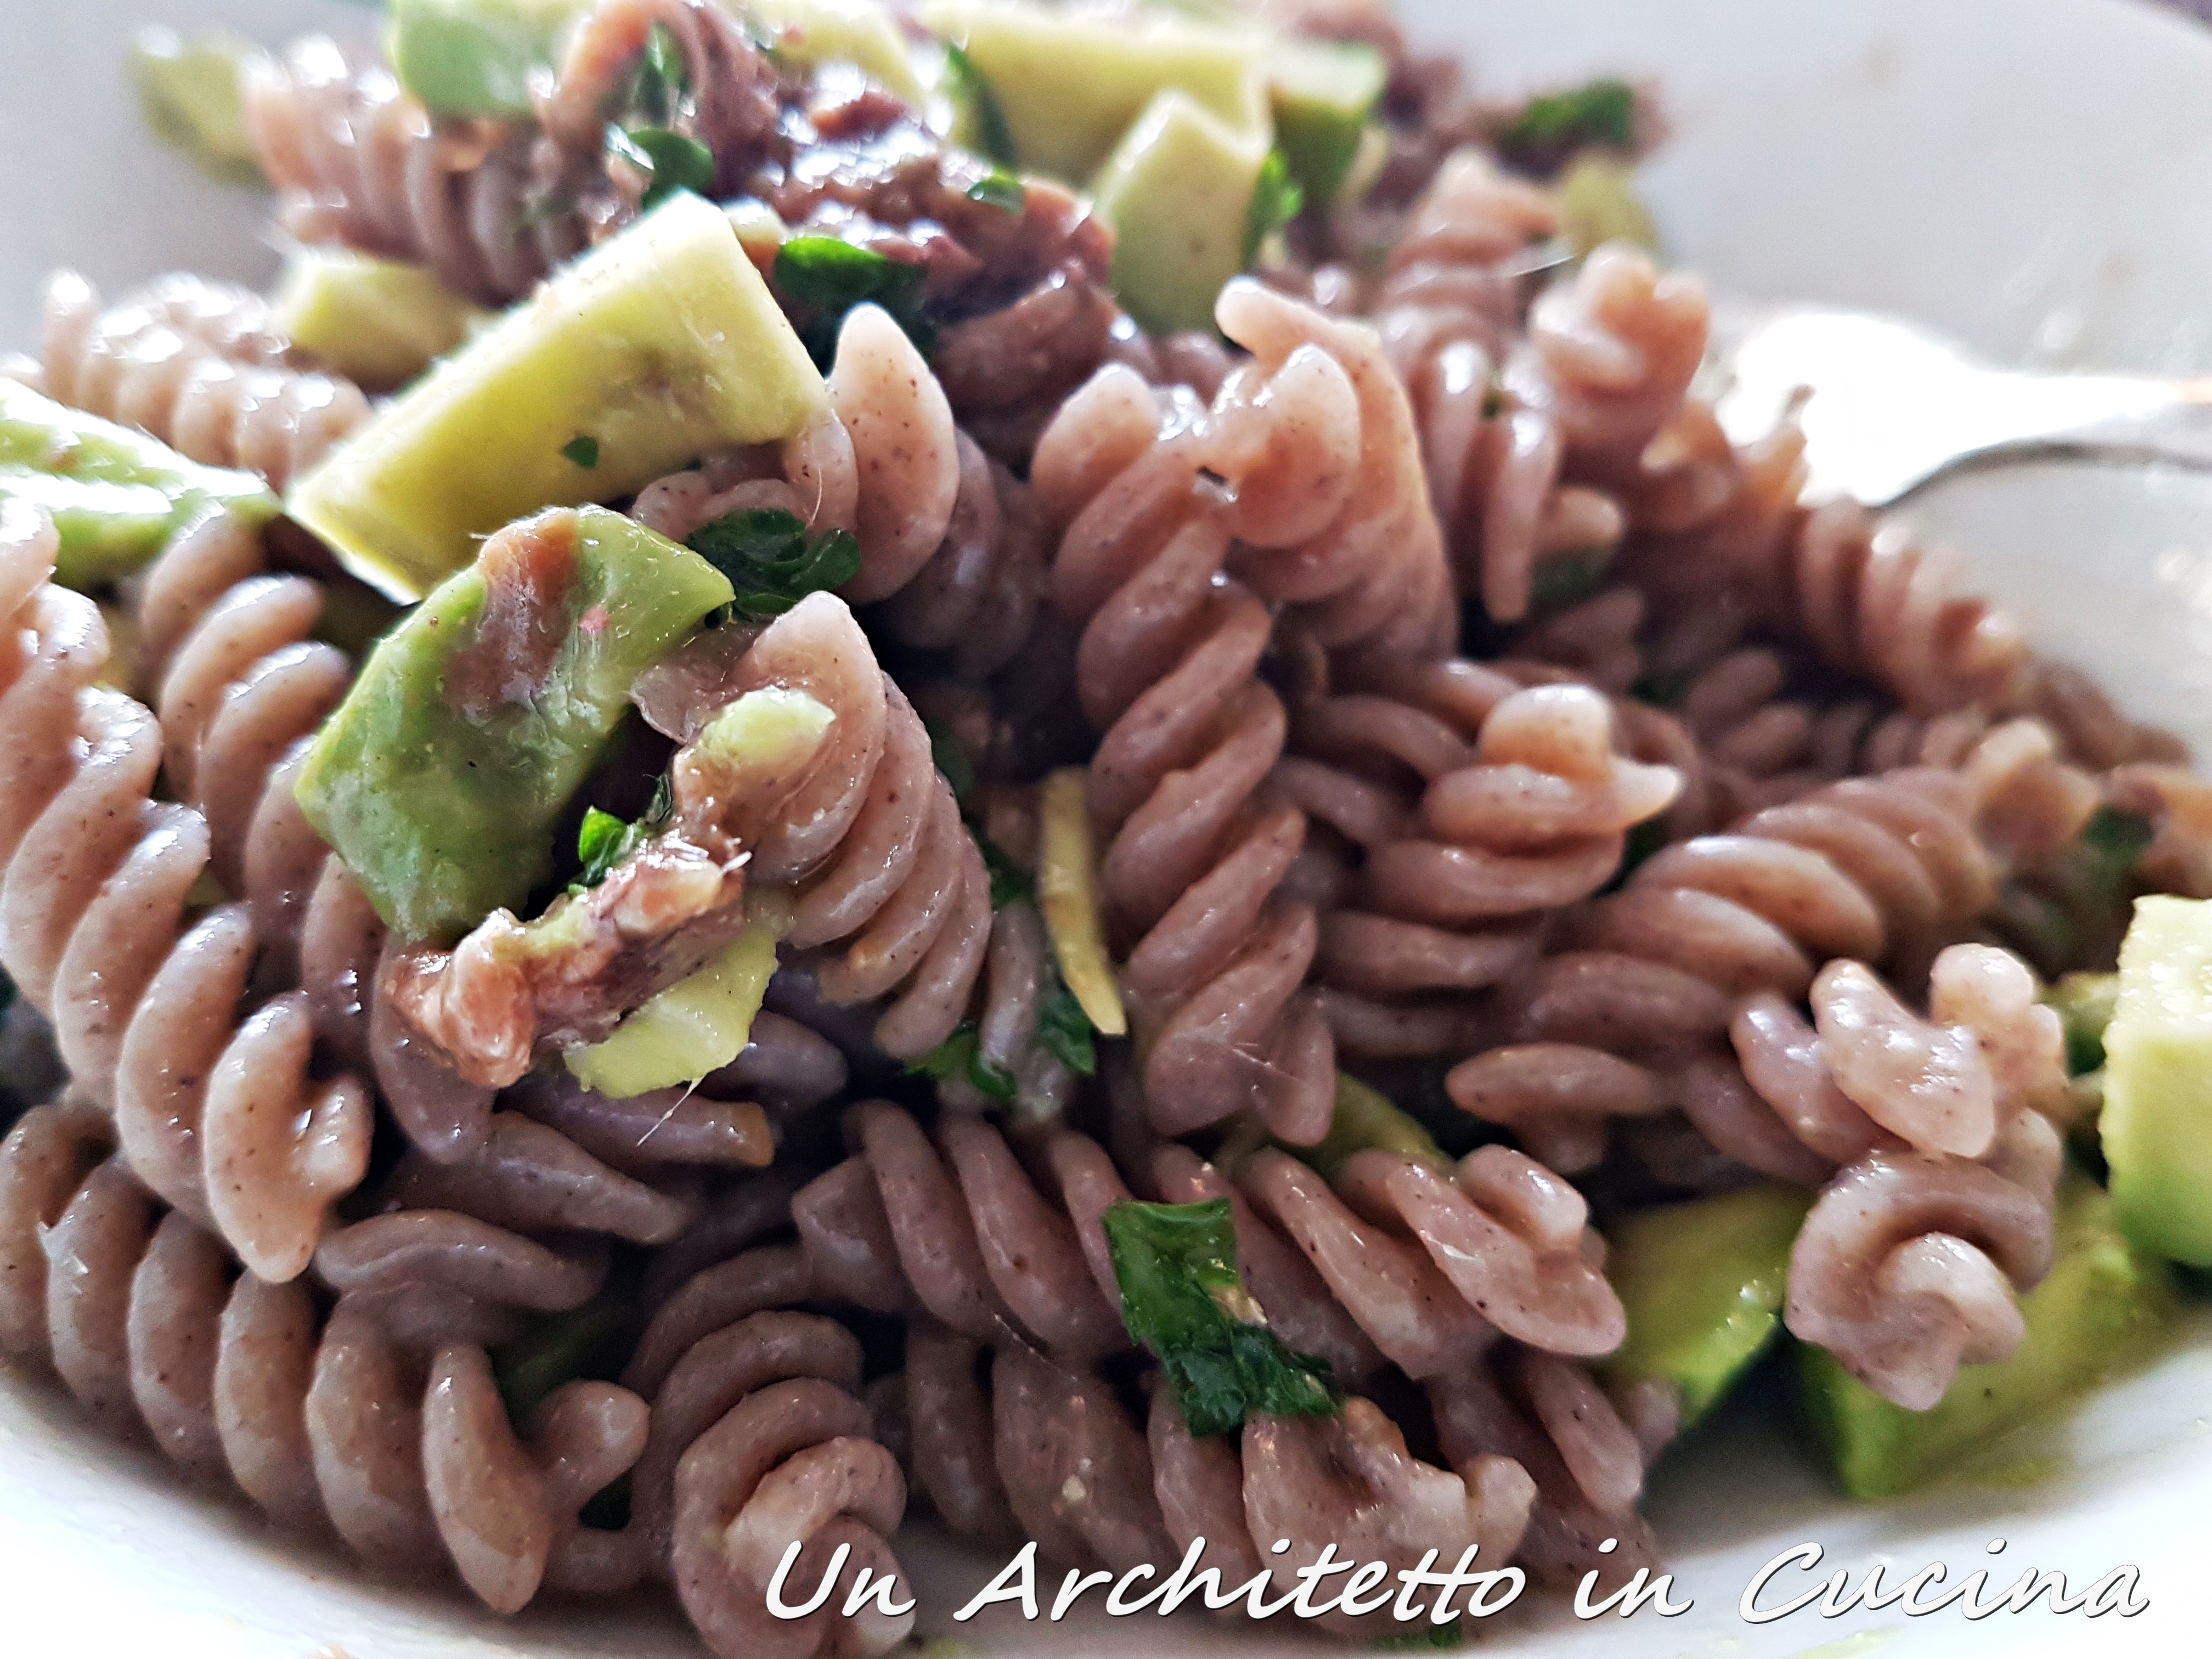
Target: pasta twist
{"points": [[218, 1114], [1544, 1416], [1522, 808], [1165, 668], [1448, 310], [1051, 1454], [356, 160], [777, 1449], [198, 365], [377, 1419], [1908, 1264], [871, 833], [1315, 440], [959, 1229], [950, 545]]}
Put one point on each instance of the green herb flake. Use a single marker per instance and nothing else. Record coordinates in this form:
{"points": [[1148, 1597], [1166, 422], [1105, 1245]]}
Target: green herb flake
{"points": [[1276, 199], [2119, 838], [961, 1056], [581, 451], [765, 553], [1065, 1030], [972, 89], [604, 841], [998, 189], [663, 79], [822, 278], [951, 760], [1602, 112], [1424, 1636], [673, 161], [1180, 1297]]}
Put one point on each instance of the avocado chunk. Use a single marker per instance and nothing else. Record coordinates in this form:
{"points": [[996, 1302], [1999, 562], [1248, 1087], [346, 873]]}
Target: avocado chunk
{"points": [[697, 1025], [1323, 93], [2156, 1125], [656, 346], [857, 32], [188, 91], [1071, 83], [475, 56], [116, 496], [1703, 1284], [2103, 1303], [376, 321], [439, 778], [1178, 190], [1598, 203], [1364, 1121]]}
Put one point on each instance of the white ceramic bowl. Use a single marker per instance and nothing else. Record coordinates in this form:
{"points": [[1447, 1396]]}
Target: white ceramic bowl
{"points": [[2031, 176]]}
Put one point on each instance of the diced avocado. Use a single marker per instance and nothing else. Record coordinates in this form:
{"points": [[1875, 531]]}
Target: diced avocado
{"points": [[439, 779], [475, 56], [374, 321], [697, 1026], [1598, 203], [115, 494], [858, 32], [1071, 83], [1702, 1283], [1323, 93], [1178, 192], [2104, 1302], [188, 90], [656, 346], [2156, 1125]]}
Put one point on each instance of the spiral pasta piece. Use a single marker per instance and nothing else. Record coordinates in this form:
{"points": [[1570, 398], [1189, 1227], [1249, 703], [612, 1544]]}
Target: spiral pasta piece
{"points": [[1447, 311], [356, 160], [199, 366], [1050, 1452], [955, 1227], [1165, 668], [219, 1114], [377, 1419], [1908, 1265], [1330, 511], [951, 549], [1547, 1418]]}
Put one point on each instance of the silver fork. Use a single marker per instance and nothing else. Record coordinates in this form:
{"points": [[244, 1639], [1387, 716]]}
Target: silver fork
{"points": [[1888, 407]]}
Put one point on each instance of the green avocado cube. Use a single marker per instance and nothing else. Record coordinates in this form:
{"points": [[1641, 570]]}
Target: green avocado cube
{"points": [[476, 56], [374, 320], [2156, 1125], [116, 496], [858, 32], [2102, 1305], [188, 91], [1703, 1284], [653, 349], [439, 778], [1178, 192], [1071, 83], [1323, 93]]}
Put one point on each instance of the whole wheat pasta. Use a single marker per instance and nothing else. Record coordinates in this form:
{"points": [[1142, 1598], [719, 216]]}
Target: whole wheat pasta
{"points": [[959, 1228], [218, 1114], [1051, 1454], [1165, 670], [356, 160], [1448, 310], [198, 365], [376, 1418], [1585, 1465]]}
